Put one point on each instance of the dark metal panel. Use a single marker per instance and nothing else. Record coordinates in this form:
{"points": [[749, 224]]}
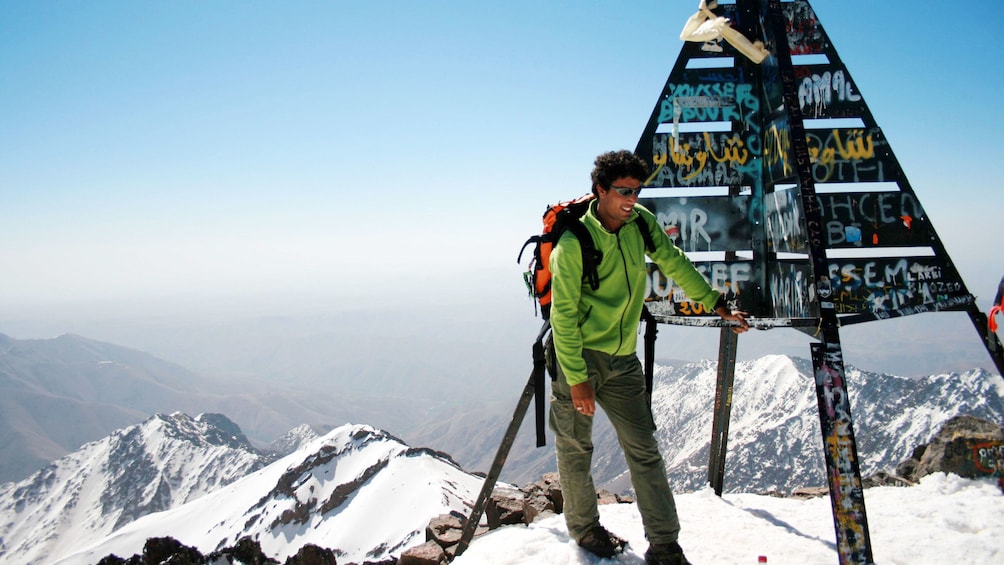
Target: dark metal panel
{"points": [[882, 287], [791, 291], [827, 91], [851, 220], [777, 156], [734, 279], [785, 222], [704, 159], [836, 155], [805, 34], [881, 284], [704, 95], [874, 219], [704, 223], [844, 155]]}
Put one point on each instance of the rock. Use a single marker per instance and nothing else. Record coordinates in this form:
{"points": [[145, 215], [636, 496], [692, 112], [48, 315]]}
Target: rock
{"points": [[549, 487], [606, 497], [505, 507], [168, 549], [884, 479], [116, 560], [536, 505], [429, 553], [445, 530], [311, 554], [966, 446], [247, 551], [806, 493]]}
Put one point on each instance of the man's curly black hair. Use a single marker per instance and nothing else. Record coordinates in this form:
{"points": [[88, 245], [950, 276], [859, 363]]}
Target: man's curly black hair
{"points": [[615, 165]]}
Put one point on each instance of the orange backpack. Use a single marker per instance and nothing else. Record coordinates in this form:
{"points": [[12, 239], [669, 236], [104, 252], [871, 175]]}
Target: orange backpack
{"points": [[558, 218]]}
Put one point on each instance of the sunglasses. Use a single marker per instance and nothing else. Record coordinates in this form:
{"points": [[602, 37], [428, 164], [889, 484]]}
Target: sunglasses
{"points": [[626, 192]]}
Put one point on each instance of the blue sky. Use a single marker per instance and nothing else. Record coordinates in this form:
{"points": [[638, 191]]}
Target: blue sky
{"points": [[163, 148]]}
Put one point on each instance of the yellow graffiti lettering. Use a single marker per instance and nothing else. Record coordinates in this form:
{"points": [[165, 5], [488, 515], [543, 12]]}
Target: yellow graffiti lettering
{"points": [[733, 152], [859, 146]]}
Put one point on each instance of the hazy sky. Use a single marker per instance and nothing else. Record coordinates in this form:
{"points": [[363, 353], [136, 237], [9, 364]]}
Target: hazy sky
{"points": [[222, 147]]}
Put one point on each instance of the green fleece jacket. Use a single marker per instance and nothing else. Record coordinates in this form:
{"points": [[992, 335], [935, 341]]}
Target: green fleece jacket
{"points": [[607, 319]]}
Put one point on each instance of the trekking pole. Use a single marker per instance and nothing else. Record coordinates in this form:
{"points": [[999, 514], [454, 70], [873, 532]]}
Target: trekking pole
{"points": [[536, 378]]}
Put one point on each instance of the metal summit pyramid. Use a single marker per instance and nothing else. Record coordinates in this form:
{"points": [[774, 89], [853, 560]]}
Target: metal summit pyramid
{"points": [[773, 175]]}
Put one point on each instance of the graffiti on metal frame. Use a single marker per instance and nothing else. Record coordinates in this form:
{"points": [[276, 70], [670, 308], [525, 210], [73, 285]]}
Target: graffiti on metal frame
{"points": [[846, 155], [827, 92], [805, 35], [786, 222], [871, 219], [703, 223], [850, 220], [790, 291], [846, 494], [836, 155], [875, 286], [715, 95], [777, 149], [731, 278], [706, 158]]}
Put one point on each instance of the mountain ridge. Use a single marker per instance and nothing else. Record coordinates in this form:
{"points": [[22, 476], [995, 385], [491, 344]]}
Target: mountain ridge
{"points": [[165, 462], [60, 393], [308, 497]]}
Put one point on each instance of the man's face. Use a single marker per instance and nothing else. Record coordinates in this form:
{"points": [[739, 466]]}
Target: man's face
{"points": [[613, 208]]}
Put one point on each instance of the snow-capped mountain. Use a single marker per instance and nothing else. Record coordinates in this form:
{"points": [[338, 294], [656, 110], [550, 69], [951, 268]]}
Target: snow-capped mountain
{"points": [[58, 394], [328, 490], [357, 490], [774, 441], [293, 440], [164, 462]]}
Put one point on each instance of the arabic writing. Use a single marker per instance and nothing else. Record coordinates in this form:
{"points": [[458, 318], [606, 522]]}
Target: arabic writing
{"points": [[846, 155], [706, 159]]}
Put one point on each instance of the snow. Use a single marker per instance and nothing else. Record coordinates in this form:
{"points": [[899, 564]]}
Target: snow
{"points": [[907, 525], [396, 497]]}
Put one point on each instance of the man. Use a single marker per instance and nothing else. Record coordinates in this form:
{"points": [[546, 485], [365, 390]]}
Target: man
{"points": [[594, 333]]}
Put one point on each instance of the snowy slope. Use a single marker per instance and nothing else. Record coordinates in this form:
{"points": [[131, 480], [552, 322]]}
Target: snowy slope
{"points": [[162, 463], [944, 519], [357, 490], [774, 442], [368, 495]]}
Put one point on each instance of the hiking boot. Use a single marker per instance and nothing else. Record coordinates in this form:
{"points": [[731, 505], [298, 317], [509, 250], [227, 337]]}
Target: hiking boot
{"points": [[602, 543], [665, 554]]}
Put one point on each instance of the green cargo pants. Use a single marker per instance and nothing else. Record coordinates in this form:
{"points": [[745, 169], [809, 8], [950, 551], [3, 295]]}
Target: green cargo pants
{"points": [[619, 385]]}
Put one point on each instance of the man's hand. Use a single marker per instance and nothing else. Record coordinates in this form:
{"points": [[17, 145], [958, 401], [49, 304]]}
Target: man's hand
{"points": [[583, 399], [734, 316]]}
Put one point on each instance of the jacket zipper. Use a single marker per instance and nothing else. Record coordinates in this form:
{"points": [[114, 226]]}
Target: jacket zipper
{"points": [[627, 282]]}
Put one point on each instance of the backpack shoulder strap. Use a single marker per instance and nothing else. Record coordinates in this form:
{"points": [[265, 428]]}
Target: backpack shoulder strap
{"points": [[651, 331], [646, 233], [591, 256]]}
